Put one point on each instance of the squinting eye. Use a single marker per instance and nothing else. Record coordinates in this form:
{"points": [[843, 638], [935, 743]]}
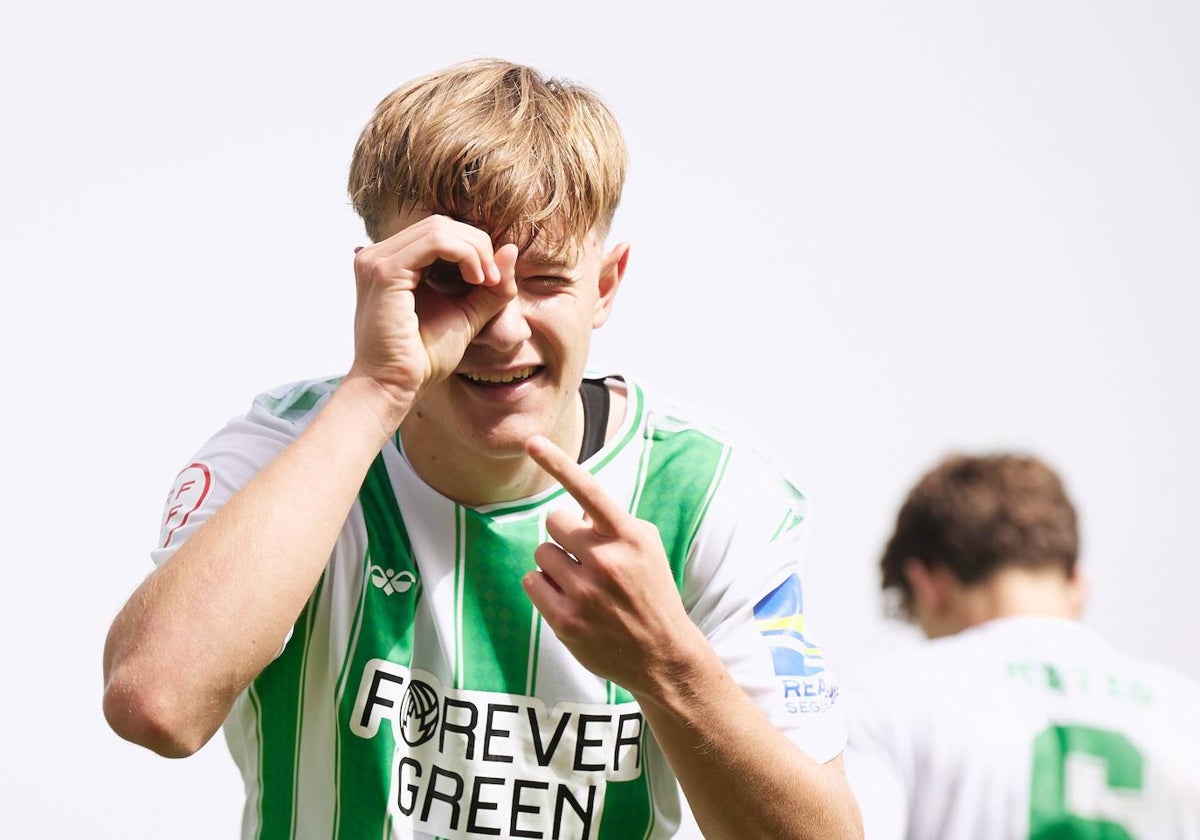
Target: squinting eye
{"points": [[549, 281], [445, 279]]}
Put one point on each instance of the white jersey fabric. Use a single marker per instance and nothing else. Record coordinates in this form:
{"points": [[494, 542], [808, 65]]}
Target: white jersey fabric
{"points": [[420, 695], [1024, 728]]}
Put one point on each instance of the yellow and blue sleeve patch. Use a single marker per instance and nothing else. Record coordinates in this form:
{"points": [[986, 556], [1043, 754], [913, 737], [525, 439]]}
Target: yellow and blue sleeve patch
{"points": [[780, 619]]}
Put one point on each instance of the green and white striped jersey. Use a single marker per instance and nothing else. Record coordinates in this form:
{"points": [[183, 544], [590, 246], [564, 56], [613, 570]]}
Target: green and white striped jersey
{"points": [[420, 695], [1024, 728]]}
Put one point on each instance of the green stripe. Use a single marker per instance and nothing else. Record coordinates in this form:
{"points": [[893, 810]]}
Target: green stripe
{"points": [[684, 470], [498, 619], [459, 559], [535, 639], [679, 472], [279, 689], [340, 690], [258, 740], [534, 646], [628, 810], [649, 777], [384, 631]]}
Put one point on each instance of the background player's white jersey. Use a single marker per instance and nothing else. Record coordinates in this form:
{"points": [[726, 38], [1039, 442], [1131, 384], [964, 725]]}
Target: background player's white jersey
{"points": [[420, 694], [1024, 728]]}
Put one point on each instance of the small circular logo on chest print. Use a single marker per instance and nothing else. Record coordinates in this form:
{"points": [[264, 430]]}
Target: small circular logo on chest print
{"points": [[419, 715]]}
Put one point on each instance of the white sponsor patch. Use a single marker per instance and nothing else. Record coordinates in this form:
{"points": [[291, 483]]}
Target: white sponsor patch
{"points": [[472, 764], [187, 495]]}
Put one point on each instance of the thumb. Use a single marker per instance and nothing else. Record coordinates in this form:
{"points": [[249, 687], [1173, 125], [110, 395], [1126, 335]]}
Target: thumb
{"points": [[506, 261]]}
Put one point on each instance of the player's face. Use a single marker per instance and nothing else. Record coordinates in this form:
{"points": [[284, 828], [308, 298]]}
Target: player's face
{"points": [[520, 376]]}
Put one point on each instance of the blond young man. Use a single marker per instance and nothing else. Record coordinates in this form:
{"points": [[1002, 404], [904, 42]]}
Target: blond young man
{"points": [[464, 591], [1016, 721]]}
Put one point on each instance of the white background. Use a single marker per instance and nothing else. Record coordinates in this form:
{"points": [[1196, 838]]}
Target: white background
{"points": [[881, 230]]}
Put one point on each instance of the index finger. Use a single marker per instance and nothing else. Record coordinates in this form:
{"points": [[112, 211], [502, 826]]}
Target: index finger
{"points": [[604, 512]]}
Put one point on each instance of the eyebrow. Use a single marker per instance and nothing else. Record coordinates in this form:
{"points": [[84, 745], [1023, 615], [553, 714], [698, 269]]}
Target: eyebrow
{"points": [[536, 258], [540, 265]]}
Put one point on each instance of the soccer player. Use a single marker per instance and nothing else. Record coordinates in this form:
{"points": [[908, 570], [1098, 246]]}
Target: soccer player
{"points": [[1016, 721], [464, 590]]}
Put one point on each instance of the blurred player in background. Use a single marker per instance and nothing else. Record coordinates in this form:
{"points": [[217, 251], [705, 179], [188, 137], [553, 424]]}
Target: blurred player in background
{"points": [[466, 591], [1016, 721]]}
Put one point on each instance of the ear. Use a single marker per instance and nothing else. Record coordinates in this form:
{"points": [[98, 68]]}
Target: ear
{"points": [[932, 599], [612, 271], [926, 593]]}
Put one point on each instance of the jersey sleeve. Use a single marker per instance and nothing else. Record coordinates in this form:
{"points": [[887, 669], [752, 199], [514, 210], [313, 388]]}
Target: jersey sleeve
{"points": [[744, 589], [230, 458]]}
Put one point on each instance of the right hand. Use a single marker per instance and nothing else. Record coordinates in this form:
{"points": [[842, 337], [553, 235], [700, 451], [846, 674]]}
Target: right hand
{"points": [[406, 335]]}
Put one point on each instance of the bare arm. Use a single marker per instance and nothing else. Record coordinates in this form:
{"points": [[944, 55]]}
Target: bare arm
{"points": [[207, 621], [610, 598], [742, 777]]}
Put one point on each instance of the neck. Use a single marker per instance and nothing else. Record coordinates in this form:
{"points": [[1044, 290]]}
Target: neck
{"points": [[1018, 592], [478, 472]]}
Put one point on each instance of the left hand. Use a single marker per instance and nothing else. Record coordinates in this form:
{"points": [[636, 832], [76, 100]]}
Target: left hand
{"points": [[606, 588]]}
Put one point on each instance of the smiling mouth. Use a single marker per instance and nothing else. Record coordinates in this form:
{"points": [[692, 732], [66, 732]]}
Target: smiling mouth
{"points": [[508, 377]]}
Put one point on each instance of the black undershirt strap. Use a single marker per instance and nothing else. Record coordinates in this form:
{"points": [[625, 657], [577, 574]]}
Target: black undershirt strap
{"points": [[594, 394]]}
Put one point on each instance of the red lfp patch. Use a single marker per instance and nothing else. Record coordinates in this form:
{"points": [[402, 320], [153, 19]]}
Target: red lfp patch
{"points": [[190, 490]]}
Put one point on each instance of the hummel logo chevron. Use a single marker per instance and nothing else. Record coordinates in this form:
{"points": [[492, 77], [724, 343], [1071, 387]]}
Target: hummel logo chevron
{"points": [[391, 581]]}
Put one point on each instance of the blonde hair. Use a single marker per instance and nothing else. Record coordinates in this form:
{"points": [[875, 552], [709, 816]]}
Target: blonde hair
{"points": [[496, 145]]}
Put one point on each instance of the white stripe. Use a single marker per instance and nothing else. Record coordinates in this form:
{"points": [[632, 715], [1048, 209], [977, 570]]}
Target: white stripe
{"points": [[643, 468], [536, 619], [718, 474], [460, 563], [315, 784]]}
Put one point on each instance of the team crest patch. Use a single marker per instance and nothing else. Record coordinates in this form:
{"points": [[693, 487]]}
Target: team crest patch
{"points": [[780, 619], [187, 495]]}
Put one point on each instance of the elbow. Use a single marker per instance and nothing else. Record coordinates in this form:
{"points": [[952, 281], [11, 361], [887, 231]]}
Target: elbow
{"points": [[853, 822], [151, 719], [845, 825]]}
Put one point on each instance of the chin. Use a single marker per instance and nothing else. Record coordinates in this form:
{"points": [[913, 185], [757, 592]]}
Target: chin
{"points": [[504, 440]]}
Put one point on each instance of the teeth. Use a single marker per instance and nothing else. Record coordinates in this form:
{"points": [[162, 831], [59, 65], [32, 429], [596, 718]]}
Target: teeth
{"points": [[502, 378]]}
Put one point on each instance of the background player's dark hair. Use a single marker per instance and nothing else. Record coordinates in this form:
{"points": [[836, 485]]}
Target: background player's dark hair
{"points": [[973, 515]]}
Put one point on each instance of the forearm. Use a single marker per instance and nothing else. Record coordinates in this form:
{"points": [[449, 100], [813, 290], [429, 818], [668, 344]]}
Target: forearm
{"points": [[741, 776], [209, 619]]}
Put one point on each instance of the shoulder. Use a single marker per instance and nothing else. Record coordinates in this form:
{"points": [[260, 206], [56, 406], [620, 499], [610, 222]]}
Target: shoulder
{"points": [[669, 412], [249, 441], [294, 403], [682, 438], [667, 417], [1170, 693]]}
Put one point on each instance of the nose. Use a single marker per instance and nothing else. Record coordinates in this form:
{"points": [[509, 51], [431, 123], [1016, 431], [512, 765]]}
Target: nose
{"points": [[507, 329]]}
